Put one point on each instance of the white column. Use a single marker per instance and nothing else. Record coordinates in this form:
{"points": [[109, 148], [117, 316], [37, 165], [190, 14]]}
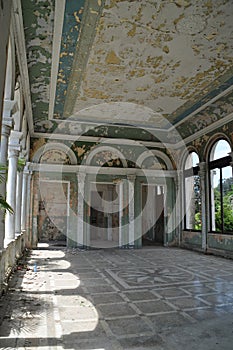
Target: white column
{"points": [[80, 215], [179, 204], [204, 226], [13, 153], [109, 211], [121, 212], [29, 210], [131, 182], [19, 184], [24, 200], [7, 124]]}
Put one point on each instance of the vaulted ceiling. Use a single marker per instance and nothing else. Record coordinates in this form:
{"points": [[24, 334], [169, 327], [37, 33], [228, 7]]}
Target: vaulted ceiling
{"points": [[127, 64]]}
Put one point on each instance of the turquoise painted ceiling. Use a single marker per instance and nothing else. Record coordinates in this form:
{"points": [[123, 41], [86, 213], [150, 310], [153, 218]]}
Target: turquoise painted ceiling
{"points": [[144, 63]]}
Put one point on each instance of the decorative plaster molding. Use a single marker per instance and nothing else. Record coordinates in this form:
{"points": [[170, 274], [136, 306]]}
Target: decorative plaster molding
{"points": [[181, 143], [9, 107], [93, 170], [205, 131], [55, 146], [57, 34], [17, 21], [15, 138], [106, 148], [207, 104], [155, 153]]}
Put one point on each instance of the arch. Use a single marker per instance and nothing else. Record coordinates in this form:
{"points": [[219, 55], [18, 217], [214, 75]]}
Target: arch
{"points": [[189, 159], [191, 190], [185, 154], [213, 149], [55, 146], [106, 148], [154, 153], [220, 184], [218, 136]]}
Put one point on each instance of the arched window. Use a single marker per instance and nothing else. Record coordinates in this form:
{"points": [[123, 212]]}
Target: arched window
{"points": [[192, 199], [221, 188]]}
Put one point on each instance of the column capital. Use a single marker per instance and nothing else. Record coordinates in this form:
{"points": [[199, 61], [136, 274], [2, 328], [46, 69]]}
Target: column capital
{"points": [[7, 125], [13, 151], [9, 121], [203, 168], [231, 155], [81, 176], [131, 177], [24, 153], [15, 138], [179, 173], [14, 143], [27, 169], [9, 107]]}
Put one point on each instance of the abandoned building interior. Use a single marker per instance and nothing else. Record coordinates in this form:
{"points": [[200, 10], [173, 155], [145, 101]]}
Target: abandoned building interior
{"points": [[116, 126]]}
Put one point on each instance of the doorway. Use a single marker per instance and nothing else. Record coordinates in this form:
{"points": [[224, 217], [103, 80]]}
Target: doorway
{"points": [[104, 216], [53, 210], [152, 214]]}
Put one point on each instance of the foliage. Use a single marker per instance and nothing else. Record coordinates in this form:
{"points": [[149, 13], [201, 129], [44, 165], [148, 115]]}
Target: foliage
{"points": [[3, 203], [197, 225], [3, 173], [227, 206], [197, 191], [21, 164]]}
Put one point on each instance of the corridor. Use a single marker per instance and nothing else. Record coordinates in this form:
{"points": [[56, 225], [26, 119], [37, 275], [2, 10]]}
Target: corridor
{"points": [[152, 298]]}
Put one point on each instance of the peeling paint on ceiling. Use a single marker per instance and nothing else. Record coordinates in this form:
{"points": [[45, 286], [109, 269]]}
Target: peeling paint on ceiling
{"points": [[70, 37], [142, 63], [38, 17]]}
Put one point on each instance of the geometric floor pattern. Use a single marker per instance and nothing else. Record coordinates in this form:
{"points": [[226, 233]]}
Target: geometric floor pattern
{"points": [[150, 298]]}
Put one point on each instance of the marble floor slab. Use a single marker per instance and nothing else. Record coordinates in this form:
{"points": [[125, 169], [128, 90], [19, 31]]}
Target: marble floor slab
{"points": [[153, 298]]}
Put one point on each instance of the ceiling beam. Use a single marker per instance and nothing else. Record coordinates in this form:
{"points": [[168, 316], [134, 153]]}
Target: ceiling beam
{"points": [[18, 28], [57, 34]]}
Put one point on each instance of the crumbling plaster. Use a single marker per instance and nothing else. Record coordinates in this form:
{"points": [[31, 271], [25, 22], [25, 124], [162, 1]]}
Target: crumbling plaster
{"points": [[163, 56]]}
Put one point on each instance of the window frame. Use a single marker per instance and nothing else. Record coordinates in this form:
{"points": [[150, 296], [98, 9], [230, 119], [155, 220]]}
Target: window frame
{"points": [[218, 164], [190, 172]]}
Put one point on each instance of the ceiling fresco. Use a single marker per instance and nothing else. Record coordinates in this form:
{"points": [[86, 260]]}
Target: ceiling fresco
{"points": [[117, 63]]}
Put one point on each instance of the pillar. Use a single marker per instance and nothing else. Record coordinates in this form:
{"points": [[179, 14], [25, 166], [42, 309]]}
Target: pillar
{"points": [[170, 215], [87, 212], [80, 214], [179, 207], [109, 211], [19, 184], [121, 213], [29, 211], [138, 213], [13, 154], [204, 225], [24, 199], [7, 124], [131, 183]]}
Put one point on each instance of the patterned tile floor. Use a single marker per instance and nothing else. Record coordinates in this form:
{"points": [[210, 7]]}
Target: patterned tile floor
{"points": [[152, 298]]}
